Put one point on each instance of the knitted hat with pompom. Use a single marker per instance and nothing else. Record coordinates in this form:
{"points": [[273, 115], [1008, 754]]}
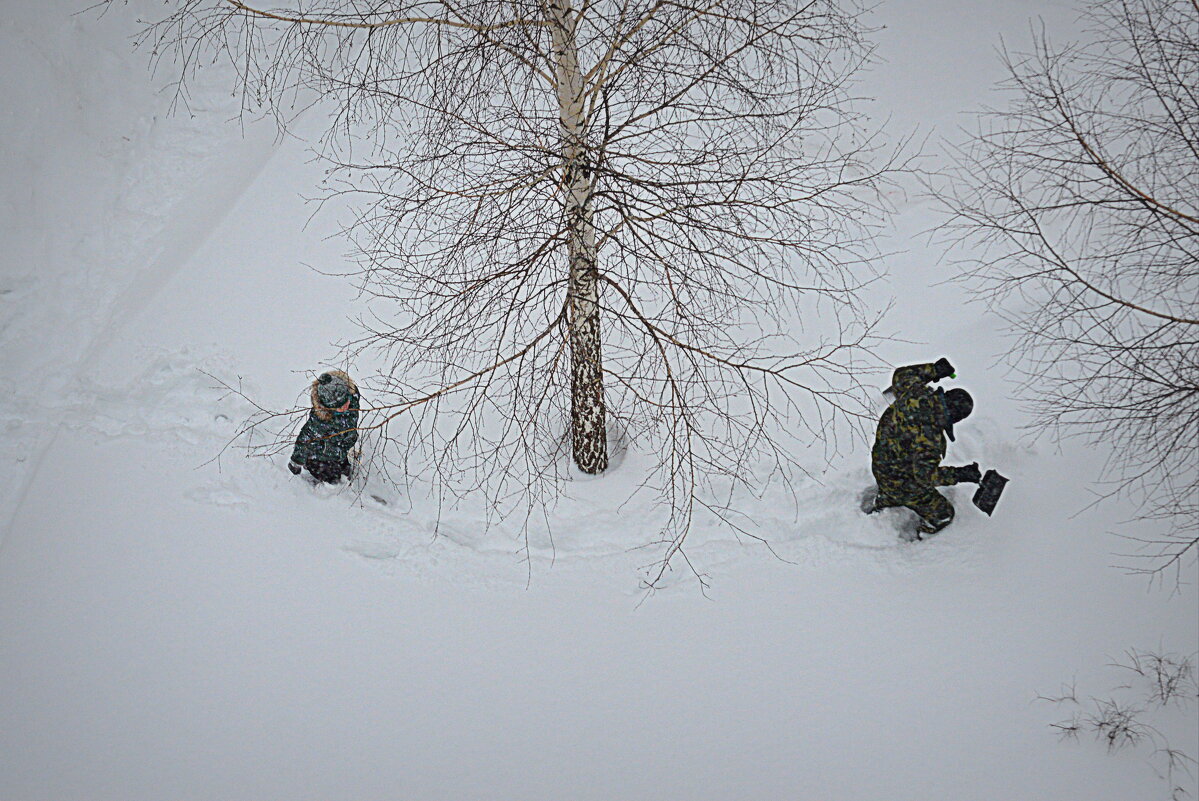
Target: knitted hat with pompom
{"points": [[332, 391]]}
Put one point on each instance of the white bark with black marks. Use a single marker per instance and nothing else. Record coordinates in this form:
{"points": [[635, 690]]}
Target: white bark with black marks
{"points": [[588, 427]]}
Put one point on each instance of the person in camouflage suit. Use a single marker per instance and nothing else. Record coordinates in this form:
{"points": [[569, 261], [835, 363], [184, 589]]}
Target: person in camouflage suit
{"points": [[325, 441], [910, 444]]}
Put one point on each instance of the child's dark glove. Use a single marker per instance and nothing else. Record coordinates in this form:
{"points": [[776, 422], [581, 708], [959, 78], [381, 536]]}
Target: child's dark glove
{"points": [[970, 474], [295, 468], [943, 369]]}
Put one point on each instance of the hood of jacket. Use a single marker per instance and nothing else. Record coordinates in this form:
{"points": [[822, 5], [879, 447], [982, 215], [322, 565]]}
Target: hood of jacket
{"points": [[323, 412]]}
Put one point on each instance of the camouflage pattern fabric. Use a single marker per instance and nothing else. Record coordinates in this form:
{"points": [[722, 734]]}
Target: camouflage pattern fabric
{"points": [[935, 510], [908, 448], [328, 435]]}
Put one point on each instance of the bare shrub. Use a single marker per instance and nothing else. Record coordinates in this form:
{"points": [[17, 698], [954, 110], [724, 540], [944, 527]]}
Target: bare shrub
{"points": [[1167, 678], [1134, 718]]}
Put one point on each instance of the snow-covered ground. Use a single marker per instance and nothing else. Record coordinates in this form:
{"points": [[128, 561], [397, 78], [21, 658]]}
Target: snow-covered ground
{"points": [[177, 627]]}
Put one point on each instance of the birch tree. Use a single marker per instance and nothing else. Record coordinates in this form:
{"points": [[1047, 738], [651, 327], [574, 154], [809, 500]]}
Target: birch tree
{"points": [[1081, 194], [648, 219]]}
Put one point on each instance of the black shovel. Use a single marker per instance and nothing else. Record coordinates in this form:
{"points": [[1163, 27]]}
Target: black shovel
{"points": [[989, 490]]}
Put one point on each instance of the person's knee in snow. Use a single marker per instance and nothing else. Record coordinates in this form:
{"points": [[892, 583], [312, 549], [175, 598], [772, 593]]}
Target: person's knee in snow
{"points": [[935, 510]]}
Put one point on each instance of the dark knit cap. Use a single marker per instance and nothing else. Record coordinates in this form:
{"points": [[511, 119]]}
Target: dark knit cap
{"points": [[332, 391], [958, 405]]}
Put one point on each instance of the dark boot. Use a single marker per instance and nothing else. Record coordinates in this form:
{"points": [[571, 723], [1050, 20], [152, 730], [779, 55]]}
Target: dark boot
{"points": [[327, 472]]}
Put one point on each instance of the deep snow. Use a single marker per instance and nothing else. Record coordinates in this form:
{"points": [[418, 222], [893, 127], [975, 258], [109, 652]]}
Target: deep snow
{"points": [[174, 627]]}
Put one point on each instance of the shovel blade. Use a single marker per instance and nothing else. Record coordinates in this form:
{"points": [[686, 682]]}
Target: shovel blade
{"points": [[989, 490]]}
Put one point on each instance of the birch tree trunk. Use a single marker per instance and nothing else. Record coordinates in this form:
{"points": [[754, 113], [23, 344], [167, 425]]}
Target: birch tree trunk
{"points": [[587, 410]]}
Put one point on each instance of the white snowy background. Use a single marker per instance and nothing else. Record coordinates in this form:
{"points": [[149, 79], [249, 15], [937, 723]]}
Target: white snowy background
{"points": [[177, 628]]}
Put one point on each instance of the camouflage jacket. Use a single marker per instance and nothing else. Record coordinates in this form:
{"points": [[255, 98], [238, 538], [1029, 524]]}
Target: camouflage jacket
{"points": [[910, 442], [329, 434]]}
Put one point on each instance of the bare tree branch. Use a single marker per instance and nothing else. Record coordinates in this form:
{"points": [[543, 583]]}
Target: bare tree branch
{"points": [[1081, 196], [368, 25]]}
